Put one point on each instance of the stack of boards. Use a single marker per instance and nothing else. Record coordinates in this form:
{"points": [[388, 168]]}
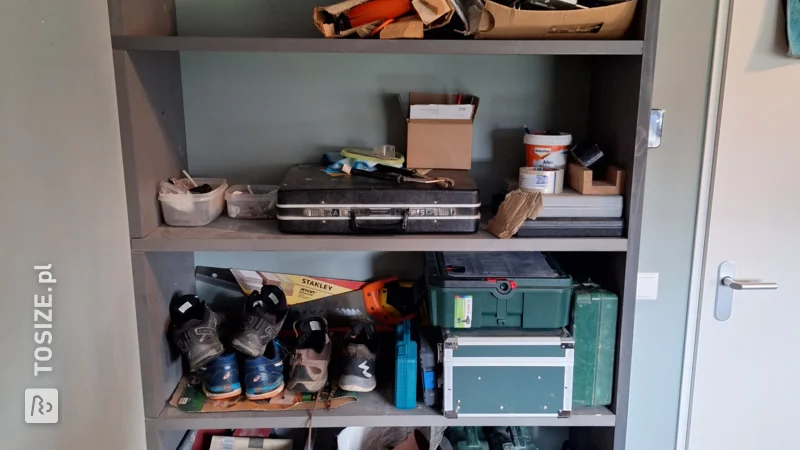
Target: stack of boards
{"points": [[571, 214]]}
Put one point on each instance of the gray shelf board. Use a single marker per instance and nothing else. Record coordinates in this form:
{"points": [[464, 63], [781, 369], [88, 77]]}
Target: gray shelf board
{"points": [[225, 234], [371, 410], [411, 46]]}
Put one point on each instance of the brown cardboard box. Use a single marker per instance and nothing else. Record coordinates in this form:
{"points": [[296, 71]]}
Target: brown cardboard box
{"points": [[603, 22], [439, 143]]}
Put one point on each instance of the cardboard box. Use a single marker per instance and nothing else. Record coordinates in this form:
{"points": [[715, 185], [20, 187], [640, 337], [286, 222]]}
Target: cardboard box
{"points": [[439, 143], [603, 22]]}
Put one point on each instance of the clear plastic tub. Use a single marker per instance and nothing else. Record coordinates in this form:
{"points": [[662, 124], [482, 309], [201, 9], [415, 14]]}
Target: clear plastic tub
{"points": [[183, 209], [258, 204]]}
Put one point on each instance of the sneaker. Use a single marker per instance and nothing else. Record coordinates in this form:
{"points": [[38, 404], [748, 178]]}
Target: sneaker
{"points": [[264, 313], [263, 376], [195, 330], [358, 371], [311, 356], [221, 377]]}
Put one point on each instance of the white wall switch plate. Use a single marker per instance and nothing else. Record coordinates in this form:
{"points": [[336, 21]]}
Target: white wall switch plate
{"points": [[647, 286]]}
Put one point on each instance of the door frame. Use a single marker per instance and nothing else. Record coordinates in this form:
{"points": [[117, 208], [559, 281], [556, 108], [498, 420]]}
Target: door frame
{"points": [[716, 94]]}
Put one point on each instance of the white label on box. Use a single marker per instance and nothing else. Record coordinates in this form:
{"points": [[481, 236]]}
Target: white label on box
{"points": [[184, 307], [442, 112]]}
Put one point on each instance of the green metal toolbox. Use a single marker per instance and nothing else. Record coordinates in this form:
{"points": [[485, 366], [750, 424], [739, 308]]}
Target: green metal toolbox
{"points": [[497, 289], [594, 327], [514, 373]]}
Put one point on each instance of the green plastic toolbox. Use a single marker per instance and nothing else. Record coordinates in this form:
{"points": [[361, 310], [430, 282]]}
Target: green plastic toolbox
{"points": [[497, 289], [594, 327]]}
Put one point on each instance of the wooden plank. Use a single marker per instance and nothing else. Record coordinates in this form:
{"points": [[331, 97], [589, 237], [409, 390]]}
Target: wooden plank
{"points": [[150, 103], [156, 279], [413, 46], [225, 234]]}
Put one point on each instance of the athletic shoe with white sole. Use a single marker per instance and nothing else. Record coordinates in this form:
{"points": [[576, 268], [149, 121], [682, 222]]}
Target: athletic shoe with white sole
{"points": [[264, 313], [311, 356], [195, 329], [359, 346], [263, 376], [221, 377]]}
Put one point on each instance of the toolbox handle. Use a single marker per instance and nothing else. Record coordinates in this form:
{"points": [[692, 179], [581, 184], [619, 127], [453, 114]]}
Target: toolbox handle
{"points": [[393, 227]]}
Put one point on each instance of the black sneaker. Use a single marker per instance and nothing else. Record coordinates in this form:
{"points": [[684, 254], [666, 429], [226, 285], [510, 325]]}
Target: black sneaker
{"points": [[195, 329], [264, 313], [358, 372]]}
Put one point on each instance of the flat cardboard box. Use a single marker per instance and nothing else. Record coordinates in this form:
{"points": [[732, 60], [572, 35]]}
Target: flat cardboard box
{"points": [[439, 143], [603, 22]]}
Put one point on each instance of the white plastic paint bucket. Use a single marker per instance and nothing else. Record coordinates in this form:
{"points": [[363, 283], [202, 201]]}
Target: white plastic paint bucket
{"points": [[547, 151]]}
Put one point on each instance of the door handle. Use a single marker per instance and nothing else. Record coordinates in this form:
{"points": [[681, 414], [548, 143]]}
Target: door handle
{"points": [[742, 285], [728, 283]]}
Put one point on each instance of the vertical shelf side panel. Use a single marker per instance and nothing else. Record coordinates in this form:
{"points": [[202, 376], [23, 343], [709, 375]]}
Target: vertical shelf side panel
{"points": [[622, 89], [150, 103], [164, 440], [157, 277], [142, 17]]}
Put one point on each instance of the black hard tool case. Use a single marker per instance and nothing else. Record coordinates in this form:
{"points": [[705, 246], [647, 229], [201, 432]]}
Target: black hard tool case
{"points": [[311, 201]]}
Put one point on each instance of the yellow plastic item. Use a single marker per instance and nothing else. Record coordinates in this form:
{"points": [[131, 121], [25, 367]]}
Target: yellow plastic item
{"points": [[368, 156]]}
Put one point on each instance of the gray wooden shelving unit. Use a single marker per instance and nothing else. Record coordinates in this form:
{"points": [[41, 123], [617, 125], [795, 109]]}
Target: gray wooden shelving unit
{"points": [[148, 78]]}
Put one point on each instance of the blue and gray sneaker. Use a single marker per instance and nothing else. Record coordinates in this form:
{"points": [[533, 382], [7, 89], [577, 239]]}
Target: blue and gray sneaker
{"points": [[221, 377], [263, 376]]}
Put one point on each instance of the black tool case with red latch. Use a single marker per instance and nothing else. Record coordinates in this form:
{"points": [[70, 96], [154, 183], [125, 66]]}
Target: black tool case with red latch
{"points": [[312, 202]]}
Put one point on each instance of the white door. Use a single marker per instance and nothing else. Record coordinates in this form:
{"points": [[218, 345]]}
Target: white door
{"points": [[745, 392]]}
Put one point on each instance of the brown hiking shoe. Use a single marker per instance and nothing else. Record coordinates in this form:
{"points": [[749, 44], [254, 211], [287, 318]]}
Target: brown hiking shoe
{"points": [[311, 356]]}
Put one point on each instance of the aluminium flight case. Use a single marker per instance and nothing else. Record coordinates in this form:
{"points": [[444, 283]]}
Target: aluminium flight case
{"points": [[313, 202], [502, 372]]}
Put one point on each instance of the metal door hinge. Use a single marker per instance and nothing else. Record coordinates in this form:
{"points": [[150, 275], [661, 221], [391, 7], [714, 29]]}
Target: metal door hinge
{"points": [[564, 414], [451, 344], [451, 415], [656, 125]]}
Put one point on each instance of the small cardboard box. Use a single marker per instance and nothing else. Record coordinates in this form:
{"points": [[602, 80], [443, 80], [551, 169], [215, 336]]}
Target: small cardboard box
{"points": [[603, 22], [439, 143]]}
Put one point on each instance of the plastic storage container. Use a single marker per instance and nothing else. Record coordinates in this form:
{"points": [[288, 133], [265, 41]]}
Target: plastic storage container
{"points": [[594, 327], [260, 204], [182, 209], [497, 289], [405, 374]]}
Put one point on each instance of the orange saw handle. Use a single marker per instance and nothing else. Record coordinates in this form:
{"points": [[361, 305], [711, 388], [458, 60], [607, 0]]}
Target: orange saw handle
{"points": [[375, 299]]}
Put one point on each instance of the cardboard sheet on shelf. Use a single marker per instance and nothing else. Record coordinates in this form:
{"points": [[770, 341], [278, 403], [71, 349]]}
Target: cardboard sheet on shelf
{"points": [[404, 28], [517, 207], [189, 397]]}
